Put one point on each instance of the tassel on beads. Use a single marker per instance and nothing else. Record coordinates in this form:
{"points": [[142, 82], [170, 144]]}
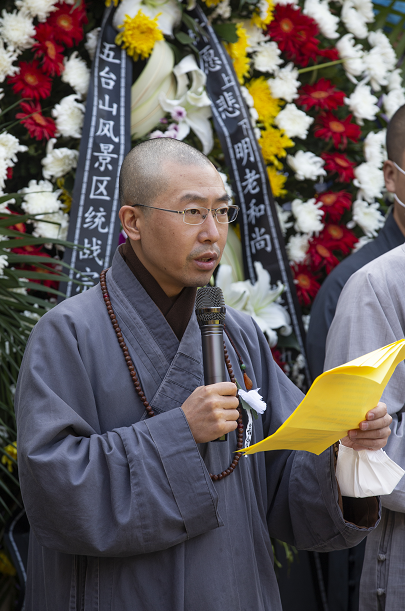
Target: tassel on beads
{"points": [[248, 381]]}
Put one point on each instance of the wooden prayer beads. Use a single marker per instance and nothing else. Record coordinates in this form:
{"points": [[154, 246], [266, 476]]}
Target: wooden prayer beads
{"points": [[138, 388]]}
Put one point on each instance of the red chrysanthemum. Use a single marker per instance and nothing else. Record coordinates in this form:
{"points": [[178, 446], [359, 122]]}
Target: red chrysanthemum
{"points": [[9, 175], [321, 255], [278, 358], [296, 34], [338, 237], [305, 284], [38, 126], [47, 48], [31, 81], [322, 96], [330, 126], [334, 203], [67, 23], [337, 162]]}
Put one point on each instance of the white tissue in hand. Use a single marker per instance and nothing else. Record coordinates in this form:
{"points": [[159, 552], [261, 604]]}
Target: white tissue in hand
{"points": [[366, 473]]}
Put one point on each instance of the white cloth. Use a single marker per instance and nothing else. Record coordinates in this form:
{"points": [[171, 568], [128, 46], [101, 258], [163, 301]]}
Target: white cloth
{"points": [[366, 473]]}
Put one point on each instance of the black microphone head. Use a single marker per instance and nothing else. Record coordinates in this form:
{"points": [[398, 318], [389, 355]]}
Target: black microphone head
{"points": [[210, 305]]}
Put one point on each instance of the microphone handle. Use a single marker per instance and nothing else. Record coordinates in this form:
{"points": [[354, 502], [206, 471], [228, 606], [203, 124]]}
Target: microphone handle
{"points": [[213, 357]]}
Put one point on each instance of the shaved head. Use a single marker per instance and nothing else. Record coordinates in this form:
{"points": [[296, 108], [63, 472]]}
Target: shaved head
{"points": [[143, 176], [396, 137]]}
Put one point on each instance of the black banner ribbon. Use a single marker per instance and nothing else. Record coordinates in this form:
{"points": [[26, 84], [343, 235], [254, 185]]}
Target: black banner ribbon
{"points": [[106, 139], [262, 239]]}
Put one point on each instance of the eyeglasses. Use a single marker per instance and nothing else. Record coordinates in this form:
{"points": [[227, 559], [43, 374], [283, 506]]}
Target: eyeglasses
{"points": [[197, 215]]}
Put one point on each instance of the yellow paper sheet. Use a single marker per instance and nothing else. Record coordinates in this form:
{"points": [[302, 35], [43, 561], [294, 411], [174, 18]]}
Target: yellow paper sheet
{"points": [[337, 401]]}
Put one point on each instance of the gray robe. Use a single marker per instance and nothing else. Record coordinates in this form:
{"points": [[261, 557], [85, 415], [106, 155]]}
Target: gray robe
{"points": [[371, 314], [123, 512]]}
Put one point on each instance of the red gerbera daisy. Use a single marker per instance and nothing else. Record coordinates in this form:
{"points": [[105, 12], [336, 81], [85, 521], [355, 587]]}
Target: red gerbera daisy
{"points": [[48, 49], [305, 283], [67, 23], [322, 95], [295, 34], [38, 126], [278, 358], [31, 81], [9, 173], [339, 237], [321, 255], [337, 162], [330, 126], [330, 54], [334, 203]]}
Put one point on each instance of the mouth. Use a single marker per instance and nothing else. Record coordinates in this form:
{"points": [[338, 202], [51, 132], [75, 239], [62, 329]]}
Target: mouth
{"points": [[206, 262]]}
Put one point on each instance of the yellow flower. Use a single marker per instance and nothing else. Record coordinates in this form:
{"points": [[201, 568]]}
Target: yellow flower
{"points": [[139, 35], [277, 182], [266, 106], [210, 3], [238, 52], [5, 565], [65, 196], [263, 14], [108, 2], [273, 144], [11, 450]]}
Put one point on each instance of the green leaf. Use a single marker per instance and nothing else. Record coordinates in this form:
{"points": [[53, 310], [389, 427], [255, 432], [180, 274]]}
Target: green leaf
{"points": [[226, 31], [184, 39]]}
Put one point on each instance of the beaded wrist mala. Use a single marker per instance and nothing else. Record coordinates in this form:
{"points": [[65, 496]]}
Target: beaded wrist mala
{"points": [[138, 388]]}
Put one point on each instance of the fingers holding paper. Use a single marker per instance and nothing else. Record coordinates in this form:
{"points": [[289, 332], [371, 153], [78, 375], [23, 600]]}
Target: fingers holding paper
{"points": [[372, 433]]}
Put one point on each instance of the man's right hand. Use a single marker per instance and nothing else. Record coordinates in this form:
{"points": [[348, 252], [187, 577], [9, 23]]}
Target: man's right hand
{"points": [[212, 411]]}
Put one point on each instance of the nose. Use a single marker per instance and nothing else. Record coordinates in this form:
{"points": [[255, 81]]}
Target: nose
{"points": [[210, 229]]}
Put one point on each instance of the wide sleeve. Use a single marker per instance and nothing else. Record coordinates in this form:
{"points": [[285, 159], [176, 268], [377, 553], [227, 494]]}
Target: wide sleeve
{"points": [[124, 492], [304, 505], [369, 316]]}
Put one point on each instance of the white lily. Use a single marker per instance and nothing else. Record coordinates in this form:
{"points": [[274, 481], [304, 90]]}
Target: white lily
{"points": [[168, 11], [235, 294], [232, 255], [194, 100]]}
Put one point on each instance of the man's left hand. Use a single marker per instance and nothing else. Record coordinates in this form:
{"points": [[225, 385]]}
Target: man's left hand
{"points": [[372, 433]]}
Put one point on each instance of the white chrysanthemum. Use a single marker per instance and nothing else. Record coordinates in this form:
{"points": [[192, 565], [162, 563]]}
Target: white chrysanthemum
{"points": [[76, 73], [267, 57], [376, 69], [58, 162], [284, 2], [354, 23], [362, 242], [293, 121], [57, 228], [91, 42], [1, 93], [297, 247], [380, 41], [370, 180], [392, 101], [3, 178], [308, 216], [320, 12], [247, 96], [395, 80], [3, 264], [374, 148], [306, 165], [363, 104], [9, 147], [223, 10], [352, 56], [39, 197], [37, 8], [255, 35], [285, 84], [368, 217], [283, 216], [17, 29], [227, 186], [7, 57], [69, 116]]}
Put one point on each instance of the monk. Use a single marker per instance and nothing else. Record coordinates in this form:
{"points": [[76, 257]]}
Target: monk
{"points": [[132, 502]]}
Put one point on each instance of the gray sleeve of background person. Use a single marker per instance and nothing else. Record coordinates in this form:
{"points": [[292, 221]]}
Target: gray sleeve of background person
{"points": [[370, 315], [302, 489], [125, 492]]}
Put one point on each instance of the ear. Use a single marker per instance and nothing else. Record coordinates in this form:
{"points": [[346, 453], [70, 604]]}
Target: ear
{"points": [[390, 175], [130, 218]]}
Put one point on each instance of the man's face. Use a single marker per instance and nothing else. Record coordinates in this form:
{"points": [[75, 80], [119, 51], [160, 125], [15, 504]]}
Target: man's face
{"points": [[177, 254]]}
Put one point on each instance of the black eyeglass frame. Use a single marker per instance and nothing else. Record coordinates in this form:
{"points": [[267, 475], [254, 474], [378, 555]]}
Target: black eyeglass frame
{"points": [[183, 212]]}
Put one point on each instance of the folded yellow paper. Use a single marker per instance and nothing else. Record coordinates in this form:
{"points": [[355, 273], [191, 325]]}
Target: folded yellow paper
{"points": [[337, 401]]}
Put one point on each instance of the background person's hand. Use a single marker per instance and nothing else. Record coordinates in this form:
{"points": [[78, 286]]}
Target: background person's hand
{"points": [[372, 433], [212, 411]]}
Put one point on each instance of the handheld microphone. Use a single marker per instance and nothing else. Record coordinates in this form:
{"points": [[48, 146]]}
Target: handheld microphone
{"points": [[210, 311]]}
